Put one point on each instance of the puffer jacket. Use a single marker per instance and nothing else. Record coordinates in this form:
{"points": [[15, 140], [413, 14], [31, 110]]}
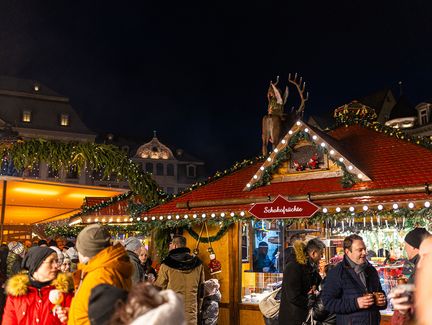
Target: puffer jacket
{"points": [[298, 278], [343, 287], [183, 273], [27, 305], [110, 266]]}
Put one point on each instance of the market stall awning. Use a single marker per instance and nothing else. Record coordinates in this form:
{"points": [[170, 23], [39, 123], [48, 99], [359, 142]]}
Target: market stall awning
{"points": [[30, 201]]}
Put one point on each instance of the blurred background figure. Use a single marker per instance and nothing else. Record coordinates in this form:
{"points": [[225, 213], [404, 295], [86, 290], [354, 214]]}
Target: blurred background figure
{"points": [[148, 306], [104, 299], [146, 262], [14, 258], [261, 260], [210, 306], [66, 264], [133, 248]]}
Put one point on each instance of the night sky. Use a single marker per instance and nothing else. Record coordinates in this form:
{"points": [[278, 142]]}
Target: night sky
{"points": [[198, 73]]}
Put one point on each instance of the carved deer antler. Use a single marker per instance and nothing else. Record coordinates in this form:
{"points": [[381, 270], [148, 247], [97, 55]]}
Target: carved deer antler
{"points": [[301, 91]]}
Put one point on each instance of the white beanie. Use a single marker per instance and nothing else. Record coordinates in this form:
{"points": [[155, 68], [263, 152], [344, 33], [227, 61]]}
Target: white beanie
{"points": [[60, 255]]}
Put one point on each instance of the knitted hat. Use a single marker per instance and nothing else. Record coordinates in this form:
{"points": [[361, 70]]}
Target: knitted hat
{"points": [[34, 258], [16, 247], [132, 244], [102, 303], [416, 236], [92, 239]]}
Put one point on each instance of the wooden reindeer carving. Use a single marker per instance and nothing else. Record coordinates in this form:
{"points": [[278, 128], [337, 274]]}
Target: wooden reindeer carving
{"points": [[276, 122]]}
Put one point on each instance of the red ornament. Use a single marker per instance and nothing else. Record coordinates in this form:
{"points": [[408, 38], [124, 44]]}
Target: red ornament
{"points": [[313, 162], [214, 266]]}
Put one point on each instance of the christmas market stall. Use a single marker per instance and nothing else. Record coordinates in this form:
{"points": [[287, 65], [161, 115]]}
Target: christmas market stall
{"points": [[363, 178]]}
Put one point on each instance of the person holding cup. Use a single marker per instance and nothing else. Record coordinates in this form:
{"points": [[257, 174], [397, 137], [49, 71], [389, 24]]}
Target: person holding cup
{"points": [[353, 289]]}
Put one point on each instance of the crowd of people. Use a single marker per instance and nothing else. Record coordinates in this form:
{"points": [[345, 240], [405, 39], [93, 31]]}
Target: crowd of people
{"points": [[94, 280], [351, 291]]}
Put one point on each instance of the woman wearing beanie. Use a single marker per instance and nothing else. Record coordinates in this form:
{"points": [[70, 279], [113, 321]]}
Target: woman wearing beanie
{"points": [[100, 263], [41, 296]]}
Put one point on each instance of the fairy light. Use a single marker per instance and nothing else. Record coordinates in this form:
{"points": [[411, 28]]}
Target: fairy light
{"points": [[222, 214], [153, 218], [96, 220], [194, 216], [298, 123], [88, 219], [186, 216], [242, 213], [283, 141], [232, 214], [145, 218], [338, 209], [269, 159], [365, 208], [290, 132], [248, 185], [161, 218], [360, 176], [111, 219], [314, 137], [341, 159], [103, 220], [427, 204], [203, 216], [131, 219], [350, 167], [380, 207], [332, 152], [177, 217], [118, 219], [306, 130], [323, 144], [255, 176], [325, 210], [351, 209], [395, 206], [411, 205], [262, 167], [138, 219], [276, 150]]}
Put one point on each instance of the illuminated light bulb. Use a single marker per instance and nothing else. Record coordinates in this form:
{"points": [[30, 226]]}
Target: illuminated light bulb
{"points": [[395, 206], [306, 130], [255, 177], [222, 214], [203, 216], [160, 218], [290, 132], [268, 159], [118, 219], [177, 217], [427, 204], [380, 207], [169, 217], [351, 209], [131, 219], [365, 208], [248, 185], [88, 220], [314, 137], [96, 220], [153, 218], [325, 210], [411, 205], [360, 176], [276, 150], [194, 216], [332, 152], [341, 159], [111, 219], [232, 214], [242, 213], [138, 219], [213, 215], [103, 220], [186, 216], [283, 141], [350, 167], [323, 144], [262, 167], [298, 123], [338, 209], [145, 218]]}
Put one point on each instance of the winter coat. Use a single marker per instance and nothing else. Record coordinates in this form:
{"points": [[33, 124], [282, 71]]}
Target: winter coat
{"points": [[343, 287], [298, 278], [13, 262], [210, 309], [183, 273], [27, 305], [138, 270], [110, 266], [320, 314]]}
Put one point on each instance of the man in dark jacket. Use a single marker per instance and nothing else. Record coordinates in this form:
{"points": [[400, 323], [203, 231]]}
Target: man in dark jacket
{"points": [[353, 289], [133, 248], [300, 278]]}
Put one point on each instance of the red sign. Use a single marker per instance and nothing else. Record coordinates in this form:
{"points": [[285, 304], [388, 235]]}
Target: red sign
{"points": [[282, 208]]}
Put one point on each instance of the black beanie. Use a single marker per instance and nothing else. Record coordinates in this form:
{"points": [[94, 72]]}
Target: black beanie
{"points": [[34, 258], [416, 236], [102, 303]]}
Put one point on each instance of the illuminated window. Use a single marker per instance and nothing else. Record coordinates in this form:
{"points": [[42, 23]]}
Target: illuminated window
{"points": [[64, 119], [26, 116]]}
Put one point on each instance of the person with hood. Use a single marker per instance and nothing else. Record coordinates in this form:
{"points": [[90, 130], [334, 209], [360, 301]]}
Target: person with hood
{"points": [[133, 248], [300, 278], [353, 290], [183, 273], [43, 295], [100, 263], [14, 258]]}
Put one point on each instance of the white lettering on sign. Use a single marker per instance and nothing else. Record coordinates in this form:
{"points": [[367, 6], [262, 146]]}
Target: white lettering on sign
{"points": [[282, 210]]}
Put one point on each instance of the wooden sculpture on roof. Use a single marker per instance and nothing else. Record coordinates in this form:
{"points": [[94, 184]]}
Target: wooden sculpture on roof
{"points": [[276, 122]]}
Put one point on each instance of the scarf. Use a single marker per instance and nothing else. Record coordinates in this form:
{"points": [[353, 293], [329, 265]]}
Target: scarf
{"points": [[359, 269]]}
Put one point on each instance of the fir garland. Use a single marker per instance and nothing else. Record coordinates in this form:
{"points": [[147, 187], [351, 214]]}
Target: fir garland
{"points": [[204, 239], [109, 160]]}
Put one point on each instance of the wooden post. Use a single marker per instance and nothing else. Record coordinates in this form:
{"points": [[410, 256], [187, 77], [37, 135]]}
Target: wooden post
{"points": [[3, 210]]}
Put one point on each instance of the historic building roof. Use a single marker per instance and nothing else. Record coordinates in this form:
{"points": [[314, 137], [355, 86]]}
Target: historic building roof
{"points": [[154, 150]]}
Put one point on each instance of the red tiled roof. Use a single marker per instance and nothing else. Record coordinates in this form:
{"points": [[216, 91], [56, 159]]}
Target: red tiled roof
{"points": [[388, 161], [118, 208]]}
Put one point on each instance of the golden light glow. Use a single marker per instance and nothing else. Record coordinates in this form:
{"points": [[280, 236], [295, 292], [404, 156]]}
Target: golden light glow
{"points": [[35, 191]]}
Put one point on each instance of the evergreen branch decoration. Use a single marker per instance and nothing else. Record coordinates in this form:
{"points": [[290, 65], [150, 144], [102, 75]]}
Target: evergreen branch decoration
{"points": [[80, 156]]}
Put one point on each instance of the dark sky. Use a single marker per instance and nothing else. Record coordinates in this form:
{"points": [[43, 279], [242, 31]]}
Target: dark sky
{"points": [[198, 73]]}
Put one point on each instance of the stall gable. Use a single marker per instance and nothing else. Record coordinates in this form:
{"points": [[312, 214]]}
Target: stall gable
{"points": [[306, 153]]}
